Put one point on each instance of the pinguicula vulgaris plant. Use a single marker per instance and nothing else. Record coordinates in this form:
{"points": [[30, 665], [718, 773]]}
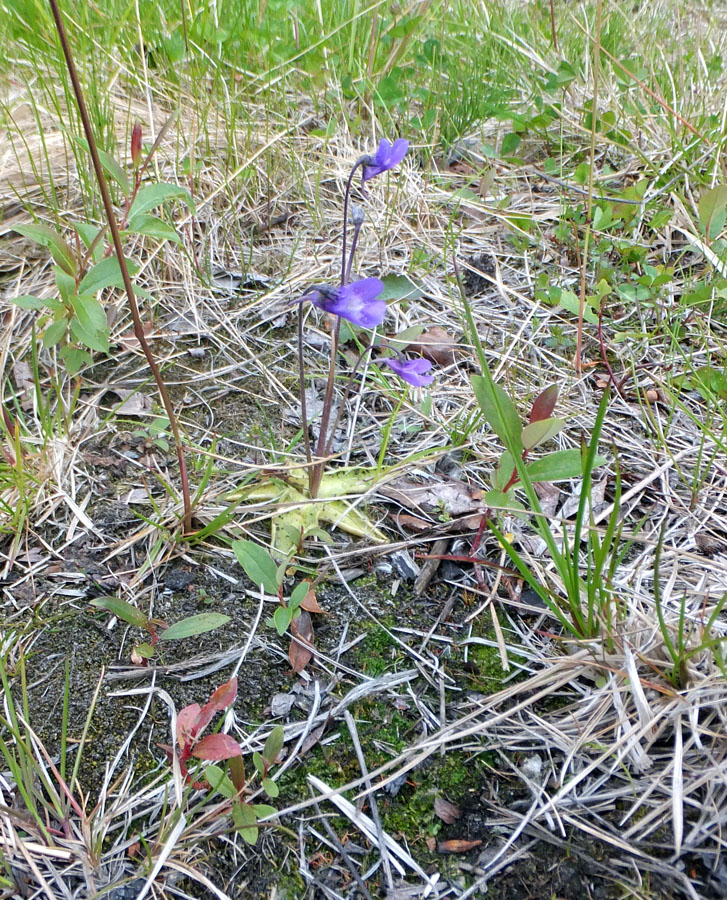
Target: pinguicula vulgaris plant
{"points": [[360, 302]]}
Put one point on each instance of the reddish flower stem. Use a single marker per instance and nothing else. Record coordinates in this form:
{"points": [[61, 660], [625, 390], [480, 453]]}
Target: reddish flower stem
{"points": [[116, 237]]}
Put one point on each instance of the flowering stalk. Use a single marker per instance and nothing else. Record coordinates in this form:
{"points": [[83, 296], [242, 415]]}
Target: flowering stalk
{"points": [[346, 264], [358, 302]]}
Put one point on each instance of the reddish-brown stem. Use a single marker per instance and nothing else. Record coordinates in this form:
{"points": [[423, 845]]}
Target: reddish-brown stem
{"points": [[116, 237], [617, 384], [553, 31], [303, 403]]}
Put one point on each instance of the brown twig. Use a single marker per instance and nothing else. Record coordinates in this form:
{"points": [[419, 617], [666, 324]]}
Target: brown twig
{"points": [[116, 237]]}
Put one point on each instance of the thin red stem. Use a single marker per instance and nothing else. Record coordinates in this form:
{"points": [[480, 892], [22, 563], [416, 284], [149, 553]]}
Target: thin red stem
{"points": [[118, 247]]}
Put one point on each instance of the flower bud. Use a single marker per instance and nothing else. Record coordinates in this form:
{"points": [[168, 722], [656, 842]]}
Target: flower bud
{"points": [[357, 214], [136, 145]]}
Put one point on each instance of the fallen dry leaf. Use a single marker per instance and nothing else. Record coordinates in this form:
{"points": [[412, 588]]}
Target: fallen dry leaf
{"points": [[437, 346], [299, 653], [414, 523], [549, 495], [458, 846], [132, 402], [447, 812], [312, 739], [310, 603], [447, 495], [24, 384]]}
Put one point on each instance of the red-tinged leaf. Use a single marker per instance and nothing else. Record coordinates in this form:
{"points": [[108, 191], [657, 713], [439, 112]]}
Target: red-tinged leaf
{"points": [[447, 812], [187, 723], [301, 628], [310, 603], [299, 656], [136, 145], [224, 696], [168, 750], [458, 846], [237, 773], [216, 747], [544, 404]]}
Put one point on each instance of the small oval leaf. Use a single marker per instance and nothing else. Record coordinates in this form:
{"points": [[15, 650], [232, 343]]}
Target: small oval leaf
{"points": [[544, 404], [273, 745], [540, 431], [193, 625], [47, 237], [122, 610], [154, 195], [216, 747], [258, 564]]}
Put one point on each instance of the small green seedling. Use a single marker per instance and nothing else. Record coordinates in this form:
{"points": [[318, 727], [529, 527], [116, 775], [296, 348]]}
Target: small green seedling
{"points": [[219, 747], [293, 615], [157, 629]]}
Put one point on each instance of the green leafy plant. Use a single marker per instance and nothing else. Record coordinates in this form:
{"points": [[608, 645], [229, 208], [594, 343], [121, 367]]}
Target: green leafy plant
{"points": [[191, 744], [294, 614], [504, 418], [75, 320], [158, 630], [583, 598]]}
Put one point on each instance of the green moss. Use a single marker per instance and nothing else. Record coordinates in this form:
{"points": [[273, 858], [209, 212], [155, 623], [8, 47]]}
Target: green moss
{"points": [[290, 884], [379, 650], [457, 777], [485, 666]]}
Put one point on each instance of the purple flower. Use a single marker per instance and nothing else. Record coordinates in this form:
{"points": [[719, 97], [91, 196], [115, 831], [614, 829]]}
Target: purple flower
{"points": [[386, 157], [356, 301], [411, 370]]}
